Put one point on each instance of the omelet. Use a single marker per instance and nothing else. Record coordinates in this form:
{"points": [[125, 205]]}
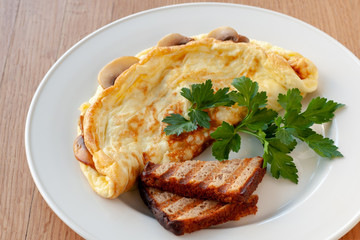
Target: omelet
{"points": [[121, 126]]}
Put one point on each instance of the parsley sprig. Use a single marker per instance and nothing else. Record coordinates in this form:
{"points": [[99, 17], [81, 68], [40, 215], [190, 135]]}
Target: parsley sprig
{"points": [[277, 134]]}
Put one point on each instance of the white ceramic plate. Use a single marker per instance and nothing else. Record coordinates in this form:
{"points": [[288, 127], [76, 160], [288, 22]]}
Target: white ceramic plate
{"points": [[326, 202]]}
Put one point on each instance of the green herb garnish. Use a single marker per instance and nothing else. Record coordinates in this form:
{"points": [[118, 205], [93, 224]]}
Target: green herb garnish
{"points": [[277, 134], [202, 97]]}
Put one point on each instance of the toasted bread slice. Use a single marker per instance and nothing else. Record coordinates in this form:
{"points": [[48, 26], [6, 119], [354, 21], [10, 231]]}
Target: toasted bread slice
{"points": [[182, 215], [226, 181]]}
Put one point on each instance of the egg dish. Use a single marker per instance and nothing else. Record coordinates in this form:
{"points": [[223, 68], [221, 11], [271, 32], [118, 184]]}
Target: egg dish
{"points": [[121, 128]]}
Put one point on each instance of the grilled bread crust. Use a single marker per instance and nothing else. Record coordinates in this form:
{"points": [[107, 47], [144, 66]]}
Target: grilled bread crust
{"points": [[227, 181], [182, 215]]}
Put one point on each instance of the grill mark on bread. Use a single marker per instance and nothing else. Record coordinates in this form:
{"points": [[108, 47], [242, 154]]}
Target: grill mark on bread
{"points": [[203, 208], [188, 207], [173, 208], [189, 175], [211, 175], [203, 172], [246, 173], [183, 170], [231, 180], [227, 181], [170, 171], [253, 181], [163, 198], [228, 172], [161, 169]]}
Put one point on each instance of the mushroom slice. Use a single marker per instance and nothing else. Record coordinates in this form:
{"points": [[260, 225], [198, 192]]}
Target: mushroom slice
{"points": [[227, 33], [173, 39], [81, 153], [113, 69]]}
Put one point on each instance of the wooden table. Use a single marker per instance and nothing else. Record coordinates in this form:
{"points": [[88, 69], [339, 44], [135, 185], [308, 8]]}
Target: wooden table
{"points": [[35, 33]]}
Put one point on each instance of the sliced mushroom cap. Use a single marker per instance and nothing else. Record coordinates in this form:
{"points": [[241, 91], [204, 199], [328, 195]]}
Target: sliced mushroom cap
{"points": [[173, 39], [227, 33], [81, 153], [112, 70]]}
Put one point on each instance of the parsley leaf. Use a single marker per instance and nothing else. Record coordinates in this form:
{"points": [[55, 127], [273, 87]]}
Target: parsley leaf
{"points": [[247, 94], [226, 140], [259, 119], [221, 98], [293, 119], [202, 96], [178, 124], [200, 118], [291, 101], [323, 146], [186, 93], [320, 110], [285, 135], [281, 163]]}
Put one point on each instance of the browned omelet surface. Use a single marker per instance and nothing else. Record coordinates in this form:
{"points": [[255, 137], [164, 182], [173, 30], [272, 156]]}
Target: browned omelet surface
{"points": [[122, 124]]}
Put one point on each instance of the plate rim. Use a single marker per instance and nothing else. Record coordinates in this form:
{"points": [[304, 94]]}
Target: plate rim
{"points": [[48, 199]]}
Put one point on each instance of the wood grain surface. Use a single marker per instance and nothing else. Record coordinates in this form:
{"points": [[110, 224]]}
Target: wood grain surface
{"points": [[35, 33]]}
